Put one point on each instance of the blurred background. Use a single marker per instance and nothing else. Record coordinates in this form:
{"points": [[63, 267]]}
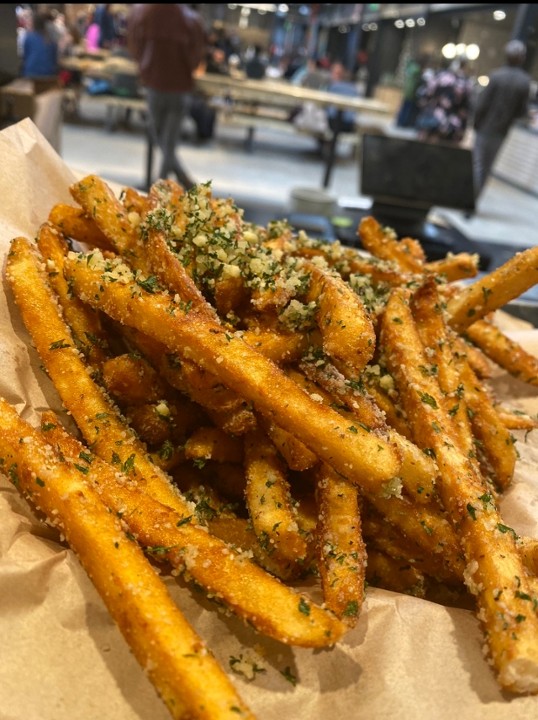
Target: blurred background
{"points": [[273, 167]]}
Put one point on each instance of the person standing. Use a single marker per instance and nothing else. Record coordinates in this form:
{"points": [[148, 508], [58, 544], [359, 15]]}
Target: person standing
{"points": [[107, 27], [499, 105], [168, 42]]}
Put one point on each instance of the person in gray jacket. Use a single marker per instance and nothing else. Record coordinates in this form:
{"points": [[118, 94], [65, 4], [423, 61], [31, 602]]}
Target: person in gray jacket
{"points": [[504, 100]]}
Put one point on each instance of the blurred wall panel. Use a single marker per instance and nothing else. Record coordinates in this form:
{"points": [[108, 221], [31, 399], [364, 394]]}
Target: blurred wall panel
{"points": [[9, 61]]}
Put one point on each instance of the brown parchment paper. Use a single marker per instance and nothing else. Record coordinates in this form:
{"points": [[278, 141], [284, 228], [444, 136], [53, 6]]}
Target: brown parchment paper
{"points": [[62, 658]]}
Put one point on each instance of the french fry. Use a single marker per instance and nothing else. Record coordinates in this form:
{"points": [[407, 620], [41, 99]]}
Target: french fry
{"points": [[495, 441], [295, 453], [383, 243], [341, 546], [175, 659], [172, 273], [347, 332], [418, 472], [505, 352], [99, 202], [390, 541], [316, 404], [269, 501], [386, 572], [132, 380], [494, 290], [426, 309], [210, 443], [134, 202], [85, 322], [454, 267], [227, 409], [515, 419], [74, 223]]}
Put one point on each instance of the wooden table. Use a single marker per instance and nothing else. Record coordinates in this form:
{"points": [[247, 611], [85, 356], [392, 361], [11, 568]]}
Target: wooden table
{"points": [[278, 93], [267, 92]]}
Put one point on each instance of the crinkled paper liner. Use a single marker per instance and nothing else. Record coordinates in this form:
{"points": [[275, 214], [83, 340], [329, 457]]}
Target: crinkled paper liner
{"points": [[61, 656]]}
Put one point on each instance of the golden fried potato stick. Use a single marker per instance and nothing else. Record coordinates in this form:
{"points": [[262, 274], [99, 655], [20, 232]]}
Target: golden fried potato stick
{"points": [[383, 243], [347, 332], [183, 671], [85, 323], [494, 290], [229, 575], [366, 458], [504, 351], [226, 408], [238, 533], [156, 503], [426, 307], [529, 552], [387, 401], [278, 346], [74, 223], [454, 267], [99, 202], [419, 522], [388, 539], [342, 554], [295, 453], [418, 472], [507, 606], [386, 572], [211, 443], [269, 502], [134, 202], [98, 419], [166, 193], [152, 422], [172, 273], [482, 434], [516, 419], [478, 361], [133, 381], [495, 440]]}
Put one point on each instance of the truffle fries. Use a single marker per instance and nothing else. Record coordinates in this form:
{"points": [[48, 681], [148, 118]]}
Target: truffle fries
{"points": [[149, 495], [332, 415], [176, 660]]}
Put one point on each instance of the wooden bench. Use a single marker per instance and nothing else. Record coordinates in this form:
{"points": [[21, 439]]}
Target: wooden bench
{"points": [[114, 105], [264, 118]]}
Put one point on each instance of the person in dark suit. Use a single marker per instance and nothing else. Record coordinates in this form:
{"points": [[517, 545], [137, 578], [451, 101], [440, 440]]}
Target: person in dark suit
{"points": [[503, 101]]}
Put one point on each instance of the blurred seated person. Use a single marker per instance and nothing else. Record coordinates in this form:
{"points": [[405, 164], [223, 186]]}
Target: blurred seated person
{"points": [[256, 66], [311, 75], [216, 62], [340, 83], [40, 50]]}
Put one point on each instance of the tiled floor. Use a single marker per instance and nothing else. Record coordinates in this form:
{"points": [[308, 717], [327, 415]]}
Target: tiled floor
{"points": [[267, 175]]}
